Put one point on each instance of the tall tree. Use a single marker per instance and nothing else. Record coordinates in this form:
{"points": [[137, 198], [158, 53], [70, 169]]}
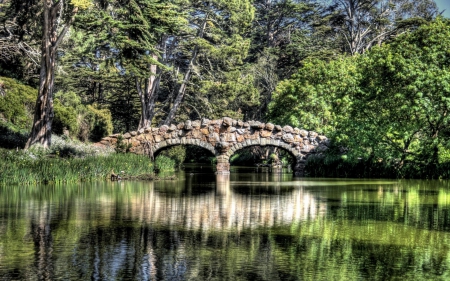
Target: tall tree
{"points": [[215, 44], [54, 19], [364, 23]]}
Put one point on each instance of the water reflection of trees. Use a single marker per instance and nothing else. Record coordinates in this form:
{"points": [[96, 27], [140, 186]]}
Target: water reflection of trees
{"points": [[272, 232]]}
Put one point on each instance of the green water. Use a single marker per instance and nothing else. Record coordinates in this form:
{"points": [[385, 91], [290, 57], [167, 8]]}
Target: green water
{"points": [[247, 226]]}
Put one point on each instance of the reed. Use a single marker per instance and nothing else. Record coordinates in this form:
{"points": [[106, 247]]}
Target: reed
{"points": [[19, 167]]}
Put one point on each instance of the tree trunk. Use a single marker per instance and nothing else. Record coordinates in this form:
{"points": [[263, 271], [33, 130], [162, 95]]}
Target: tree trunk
{"points": [[148, 96], [43, 116], [187, 75]]}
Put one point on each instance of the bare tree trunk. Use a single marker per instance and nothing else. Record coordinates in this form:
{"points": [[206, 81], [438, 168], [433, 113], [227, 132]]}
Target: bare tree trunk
{"points": [[187, 76], [43, 116], [148, 95]]}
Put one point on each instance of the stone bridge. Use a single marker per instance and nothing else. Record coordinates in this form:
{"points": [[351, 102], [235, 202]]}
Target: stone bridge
{"points": [[223, 137]]}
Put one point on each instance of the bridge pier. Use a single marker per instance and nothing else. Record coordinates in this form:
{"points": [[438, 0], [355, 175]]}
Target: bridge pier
{"points": [[223, 165], [299, 166]]}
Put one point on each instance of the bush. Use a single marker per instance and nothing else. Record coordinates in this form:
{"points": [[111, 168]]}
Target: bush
{"points": [[17, 103], [12, 137], [65, 118], [164, 164], [100, 122], [176, 153]]}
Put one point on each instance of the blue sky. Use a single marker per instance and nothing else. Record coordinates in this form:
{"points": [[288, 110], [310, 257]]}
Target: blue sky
{"points": [[444, 4]]}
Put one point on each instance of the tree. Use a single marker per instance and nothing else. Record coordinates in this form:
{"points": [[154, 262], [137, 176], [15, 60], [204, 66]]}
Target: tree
{"points": [[214, 46], [318, 96], [401, 112], [52, 13], [365, 23]]}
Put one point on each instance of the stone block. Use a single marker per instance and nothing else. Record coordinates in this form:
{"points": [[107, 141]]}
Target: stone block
{"points": [[313, 134], [227, 121], [163, 129], [188, 125], [269, 126], [172, 127], [240, 123], [288, 138], [157, 138], [126, 136], [180, 125], [205, 122], [278, 128], [265, 134], [288, 129], [196, 124], [133, 133], [240, 138], [197, 134]]}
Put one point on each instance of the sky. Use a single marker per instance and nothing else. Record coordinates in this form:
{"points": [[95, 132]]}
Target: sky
{"points": [[444, 5]]}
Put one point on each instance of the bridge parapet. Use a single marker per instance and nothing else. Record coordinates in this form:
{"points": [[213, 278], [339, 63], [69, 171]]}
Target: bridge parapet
{"points": [[223, 137]]}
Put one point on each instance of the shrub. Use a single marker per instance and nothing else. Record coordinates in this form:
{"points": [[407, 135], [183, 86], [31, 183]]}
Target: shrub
{"points": [[164, 164], [176, 153], [65, 118], [17, 102]]}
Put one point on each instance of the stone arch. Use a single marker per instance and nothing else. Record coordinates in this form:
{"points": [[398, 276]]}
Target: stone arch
{"points": [[222, 137], [173, 142], [299, 159]]}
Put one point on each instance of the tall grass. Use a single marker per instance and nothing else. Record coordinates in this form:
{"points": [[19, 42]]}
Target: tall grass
{"points": [[19, 167]]}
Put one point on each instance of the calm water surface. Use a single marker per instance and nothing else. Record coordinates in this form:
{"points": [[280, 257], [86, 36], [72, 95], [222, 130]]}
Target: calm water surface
{"points": [[246, 226]]}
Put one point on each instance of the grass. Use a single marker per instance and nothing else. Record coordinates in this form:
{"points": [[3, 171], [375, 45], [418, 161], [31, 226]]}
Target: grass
{"points": [[70, 161], [19, 167]]}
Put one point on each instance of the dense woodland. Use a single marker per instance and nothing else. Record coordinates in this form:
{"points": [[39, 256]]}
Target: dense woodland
{"points": [[372, 75]]}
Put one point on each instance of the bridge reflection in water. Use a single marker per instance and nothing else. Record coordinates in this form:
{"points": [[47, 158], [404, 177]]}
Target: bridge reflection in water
{"points": [[223, 207]]}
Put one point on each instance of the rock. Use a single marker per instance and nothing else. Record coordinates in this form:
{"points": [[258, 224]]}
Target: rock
{"points": [[196, 124], [288, 129], [269, 126], [288, 138], [172, 127], [303, 133], [278, 128], [227, 121], [188, 125], [180, 126], [163, 128], [205, 122], [265, 133], [313, 134], [127, 136], [133, 133], [240, 123]]}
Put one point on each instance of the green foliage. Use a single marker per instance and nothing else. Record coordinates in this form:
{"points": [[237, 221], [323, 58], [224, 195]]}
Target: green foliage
{"points": [[11, 136], [32, 167], [317, 96], [176, 153], [164, 163], [65, 119], [16, 102], [100, 122], [122, 146]]}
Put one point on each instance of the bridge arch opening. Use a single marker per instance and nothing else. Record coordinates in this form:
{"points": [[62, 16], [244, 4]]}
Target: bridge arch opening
{"points": [[269, 156]]}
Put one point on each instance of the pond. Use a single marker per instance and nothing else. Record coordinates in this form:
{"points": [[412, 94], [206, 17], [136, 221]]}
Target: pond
{"points": [[250, 225]]}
